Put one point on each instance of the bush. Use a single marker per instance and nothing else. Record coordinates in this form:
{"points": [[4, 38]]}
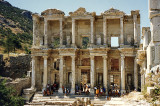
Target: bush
{"points": [[7, 96]]}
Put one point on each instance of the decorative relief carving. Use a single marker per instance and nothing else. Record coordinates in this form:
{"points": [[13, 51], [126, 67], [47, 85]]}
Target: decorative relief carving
{"points": [[153, 54], [81, 12], [113, 11], [53, 12]]}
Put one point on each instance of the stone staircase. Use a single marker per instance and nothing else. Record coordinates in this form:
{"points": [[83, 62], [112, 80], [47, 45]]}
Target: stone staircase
{"points": [[61, 100]]}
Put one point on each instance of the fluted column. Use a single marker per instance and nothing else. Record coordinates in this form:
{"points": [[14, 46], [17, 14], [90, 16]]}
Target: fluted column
{"points": [[60, 90], [61, 32], [121, 30], [33, 71], [135, 74], [135, 29], [73, 75], [45, 72], [105, 31], [73, 32], [105, 73], [92, 37], [122, 74], [92, 75], [45, 33]]}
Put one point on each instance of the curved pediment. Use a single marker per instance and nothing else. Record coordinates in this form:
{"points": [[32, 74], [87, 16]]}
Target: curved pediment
{"points": [[113, 11], [81, 12], [55, 12]]}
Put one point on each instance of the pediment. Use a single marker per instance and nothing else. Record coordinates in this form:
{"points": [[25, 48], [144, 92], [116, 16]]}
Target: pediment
{"points": [[81, 12], [113, 11], [51, 12]]}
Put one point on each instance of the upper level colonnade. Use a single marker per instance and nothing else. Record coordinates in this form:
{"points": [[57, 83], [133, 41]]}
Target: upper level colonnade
{"points": [[53, 28]]}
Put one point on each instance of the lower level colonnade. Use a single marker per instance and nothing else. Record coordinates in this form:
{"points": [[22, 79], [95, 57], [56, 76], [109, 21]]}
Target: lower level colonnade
{"points": [[106, 73]]}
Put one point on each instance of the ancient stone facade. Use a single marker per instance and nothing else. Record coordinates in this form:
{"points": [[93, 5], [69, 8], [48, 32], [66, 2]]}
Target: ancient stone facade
{"points": [[75, 49], [149, 55]]}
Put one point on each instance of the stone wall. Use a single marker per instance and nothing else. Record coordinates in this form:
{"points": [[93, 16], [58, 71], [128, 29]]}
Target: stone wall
{"points": [[16, 67], [18, 84]]}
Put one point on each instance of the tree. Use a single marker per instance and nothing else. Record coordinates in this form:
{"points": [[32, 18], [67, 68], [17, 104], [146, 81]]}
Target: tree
{"points": [[7, 97], [8, 44]]}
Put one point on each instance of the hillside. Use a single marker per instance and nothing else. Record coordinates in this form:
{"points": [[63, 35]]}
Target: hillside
{"points": [[15, 29]]}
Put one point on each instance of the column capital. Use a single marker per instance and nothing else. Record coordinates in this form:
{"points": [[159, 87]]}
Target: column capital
{"points": [[134, 17], [73, 57], [45, 57], [92, 57], [122, 56], [73, 20], [60, 19], [104, 57], [121, 19], [92, 19], [33, 57]]}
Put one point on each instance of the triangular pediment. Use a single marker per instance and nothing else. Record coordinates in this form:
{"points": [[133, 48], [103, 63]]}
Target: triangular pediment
{"points": [[113, 11], [81, 12], [53, 12]]}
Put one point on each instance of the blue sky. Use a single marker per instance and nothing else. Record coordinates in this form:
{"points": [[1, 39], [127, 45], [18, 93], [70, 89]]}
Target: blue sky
{"points": [[98, 6]]}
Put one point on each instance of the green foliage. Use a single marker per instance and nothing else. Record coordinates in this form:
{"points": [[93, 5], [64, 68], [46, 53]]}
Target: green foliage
{"points": [[15, 15], [9, 40], [7, 96], [27, 50]]}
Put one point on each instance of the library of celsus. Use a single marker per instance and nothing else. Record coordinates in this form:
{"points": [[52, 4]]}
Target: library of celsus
{"points": [[85, 48]]}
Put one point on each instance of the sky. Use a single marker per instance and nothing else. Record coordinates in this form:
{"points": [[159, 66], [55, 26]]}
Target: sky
{"points": [[99, 6]]}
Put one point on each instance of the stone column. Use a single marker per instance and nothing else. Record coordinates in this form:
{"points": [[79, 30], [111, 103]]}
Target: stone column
{"points": [[92, 36], [60, 90], [73, 32], [33, 72], [45, 72], [73, 75], [105, 73], [45, 33], [135, 29], [92, 75], [61, 32], [34, 31], [135, 74], [121, 30], [105, 30], [122, 74]]}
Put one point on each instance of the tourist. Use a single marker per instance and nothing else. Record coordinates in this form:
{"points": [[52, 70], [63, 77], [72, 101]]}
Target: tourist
{"points": [[97, 92]]}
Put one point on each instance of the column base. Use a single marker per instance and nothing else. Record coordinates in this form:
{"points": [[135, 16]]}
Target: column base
{"points": [[73, 46], [72, 91], [91, 91], [60, 91], [123, 92]]}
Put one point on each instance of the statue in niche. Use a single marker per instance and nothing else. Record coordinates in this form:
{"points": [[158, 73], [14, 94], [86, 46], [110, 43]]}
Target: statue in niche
{"points": [[68, 40]]}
